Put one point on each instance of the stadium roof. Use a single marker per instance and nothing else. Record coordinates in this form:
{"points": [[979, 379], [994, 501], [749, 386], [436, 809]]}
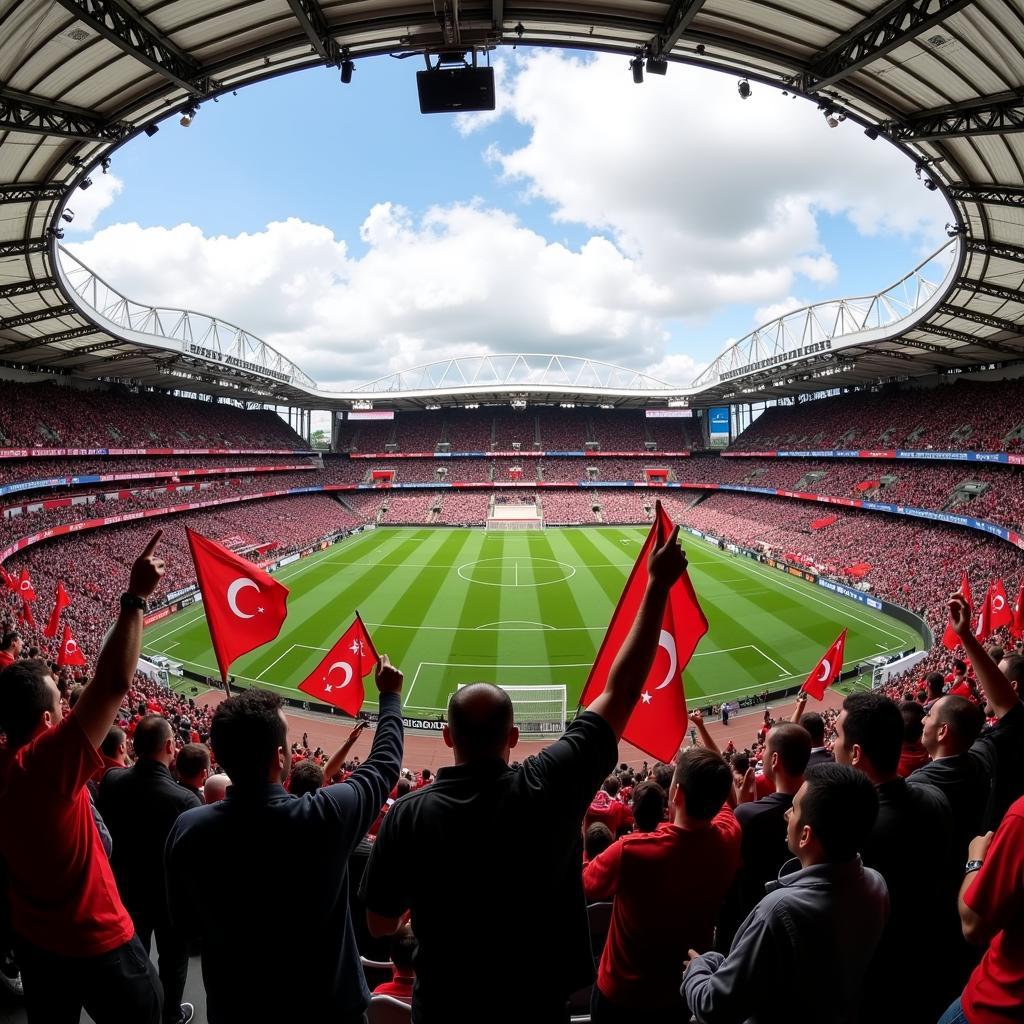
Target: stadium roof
{"points": [[941, 79]]}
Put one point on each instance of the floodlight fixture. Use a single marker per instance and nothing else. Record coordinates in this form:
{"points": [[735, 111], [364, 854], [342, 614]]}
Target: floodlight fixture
{"points": [[85, 183], [151, 129], [929, 183], [871, 132], [657, 66], [347, 67], [187, 115], [67, 216], [744, 89], [105, 164], [637, 66], [57, 233]]}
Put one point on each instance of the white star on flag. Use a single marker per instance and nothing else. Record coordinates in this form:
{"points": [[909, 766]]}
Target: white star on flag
{"points": [[357, 647], [645, 697], [259, 611], [328, 688]]}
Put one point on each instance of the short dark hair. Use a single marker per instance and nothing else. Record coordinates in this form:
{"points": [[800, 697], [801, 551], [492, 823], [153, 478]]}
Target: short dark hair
{"points": [[815, 725], [112, 741], [959, 666], [480, 717], [963, 719], [705, 780], [649, 803], [741, 762], [792, 743], [193, 758], [913, 721], [246, 731], [23, 698], [996, 653], [597, 839], [875, 724], [151, 733], [663, 775], [306, 777], [75, 695], [840, 805], [9, 639], [936, 684], [403, 947], [402, 786], [611, 785], [1014, 670]]}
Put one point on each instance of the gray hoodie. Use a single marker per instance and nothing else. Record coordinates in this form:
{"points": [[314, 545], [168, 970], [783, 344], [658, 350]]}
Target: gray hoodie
{"points": [[800, 956]]}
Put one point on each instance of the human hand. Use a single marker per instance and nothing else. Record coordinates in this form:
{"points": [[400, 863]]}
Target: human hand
{"points": [[147, 570], [960, 615], [358, 727], [691, 955], [979, 846], [697, 717], [748, 788], [667, 562], [387, 677]]}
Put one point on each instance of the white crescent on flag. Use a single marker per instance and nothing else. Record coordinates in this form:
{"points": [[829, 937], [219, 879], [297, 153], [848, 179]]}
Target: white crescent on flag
{"points": [[348, 672], [826, 669], [70, 647], [668, 642], [998, 602], [240, 584], [24, 585]]}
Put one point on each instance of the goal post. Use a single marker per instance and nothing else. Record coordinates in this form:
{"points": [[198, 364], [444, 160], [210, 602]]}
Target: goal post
{"points": [[538, 711], [521, 516]]}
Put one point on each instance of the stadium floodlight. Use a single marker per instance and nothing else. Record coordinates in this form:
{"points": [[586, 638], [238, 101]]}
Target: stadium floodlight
{"points": [[657, 66], [105, 164], [347, 67], [637, 65], [362, 403], [471, 405], [929, 184], [57, 233], [871, 132], [743, 89], [187, 115], [151, 129], [68, 216], [85, 183]]}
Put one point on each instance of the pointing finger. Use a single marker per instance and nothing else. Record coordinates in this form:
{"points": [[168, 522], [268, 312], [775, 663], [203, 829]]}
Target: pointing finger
{"points": [[152, 543]]}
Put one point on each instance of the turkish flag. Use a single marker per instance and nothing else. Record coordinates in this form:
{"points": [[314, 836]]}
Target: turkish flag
{"points": [[1017, 626], [70, 653], [8, 580], [59, 605], [25, 588], [1002, 613], [984, 628], [26, 616], [245, 607], [828, 670], [658, 723], [338, 679], [949, 639]]}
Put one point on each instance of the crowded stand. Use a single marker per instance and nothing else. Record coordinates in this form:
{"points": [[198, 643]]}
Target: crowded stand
{"points": [[564, 430], [410, 509], [567, 507], [624, 506], [463, 508], [468, 430], [961, 416], [49, 415], [515, 429]]}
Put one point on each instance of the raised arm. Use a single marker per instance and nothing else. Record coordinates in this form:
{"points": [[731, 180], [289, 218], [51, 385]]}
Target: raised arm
{"points": [[801, 707], [706, 739], [633, 663], [115, 667], [333, 766], [998, 690]]}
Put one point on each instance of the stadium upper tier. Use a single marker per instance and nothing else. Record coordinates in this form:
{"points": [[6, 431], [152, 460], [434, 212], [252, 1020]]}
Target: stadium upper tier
{"points": [[941, 80]]}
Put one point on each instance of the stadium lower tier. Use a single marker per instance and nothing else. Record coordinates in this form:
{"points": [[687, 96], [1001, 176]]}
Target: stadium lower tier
{"points": [[907, 562]]}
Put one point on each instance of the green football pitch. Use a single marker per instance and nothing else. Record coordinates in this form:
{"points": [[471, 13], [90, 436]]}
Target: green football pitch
{"points": [[530, 608]]}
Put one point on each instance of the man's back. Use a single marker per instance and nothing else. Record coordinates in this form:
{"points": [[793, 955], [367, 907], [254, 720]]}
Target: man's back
{"points": [[489, 860], [668, 888], [274, 923], [140, 805]]}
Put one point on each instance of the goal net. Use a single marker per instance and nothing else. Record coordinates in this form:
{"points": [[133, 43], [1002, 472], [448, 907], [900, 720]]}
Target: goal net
{"points": [[520, 516], [537, 710], [494, 523]]}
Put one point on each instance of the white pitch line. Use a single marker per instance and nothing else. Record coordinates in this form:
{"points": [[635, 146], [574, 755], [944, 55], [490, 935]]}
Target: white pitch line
{"points": [[275, 661], [782, 671]]}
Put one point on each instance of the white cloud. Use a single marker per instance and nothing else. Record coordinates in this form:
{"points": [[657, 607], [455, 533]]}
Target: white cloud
{"points": [[88, 204], [765, 314]]}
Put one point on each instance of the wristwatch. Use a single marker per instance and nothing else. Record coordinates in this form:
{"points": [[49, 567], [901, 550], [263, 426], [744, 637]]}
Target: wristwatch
{"points": [[129, 602], [972, 865]]}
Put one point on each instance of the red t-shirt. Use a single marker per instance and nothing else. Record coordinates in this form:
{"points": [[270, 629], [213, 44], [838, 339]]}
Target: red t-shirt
{"points": [[962, 690], [668, 887], [397, 988], [765, 786], [912, 757], [995, 991], [62, 891], [6, 660], [608, 811]]}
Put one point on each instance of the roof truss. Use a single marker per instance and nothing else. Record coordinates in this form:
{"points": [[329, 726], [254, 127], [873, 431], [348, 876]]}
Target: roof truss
{"points": [[21, 113], [993, 115], [679, 18], [310, 16]]}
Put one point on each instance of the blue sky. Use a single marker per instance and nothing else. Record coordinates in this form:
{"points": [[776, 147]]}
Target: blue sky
{"points": [[615, 231]]}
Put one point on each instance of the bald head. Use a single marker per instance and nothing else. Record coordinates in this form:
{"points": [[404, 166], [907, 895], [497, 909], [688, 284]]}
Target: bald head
{"points": [[215, 788], [480, 722]]}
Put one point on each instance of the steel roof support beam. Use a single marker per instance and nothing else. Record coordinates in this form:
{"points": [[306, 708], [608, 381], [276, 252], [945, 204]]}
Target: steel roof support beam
{"points": [[35, 317], [993, 115], [139, 38], [924, 346], [1001, 195], [30, 192], [968, 339], [12, 291], [874, 37], [76, 332], [985, 319], [314, 24], [998, 250], [679, 18], [24, 247], [498, 16], [995, 290], [21, 113]]}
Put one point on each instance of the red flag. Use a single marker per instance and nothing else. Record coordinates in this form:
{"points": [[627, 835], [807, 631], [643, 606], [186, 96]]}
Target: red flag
{"points": [[245, 607], [658, 723], [984, 628], [1017, 626], [949, 639], [61, 602], [338, 679], [25, 588], [1002, 613], [828, 670], [70, 653], [26, 616], [8, 580]]}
